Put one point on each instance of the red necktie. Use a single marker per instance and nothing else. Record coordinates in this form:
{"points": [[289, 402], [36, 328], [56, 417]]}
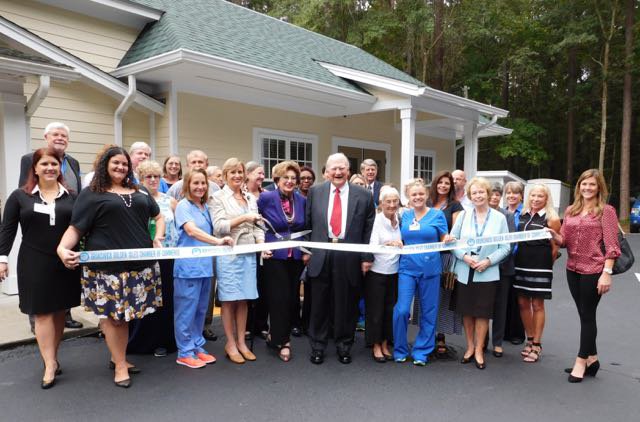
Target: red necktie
{"points": [[336, 214]]}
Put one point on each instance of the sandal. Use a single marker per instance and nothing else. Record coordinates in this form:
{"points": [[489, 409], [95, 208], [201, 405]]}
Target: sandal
{"points": [[283, 357], [535, 353], [527, 347]]}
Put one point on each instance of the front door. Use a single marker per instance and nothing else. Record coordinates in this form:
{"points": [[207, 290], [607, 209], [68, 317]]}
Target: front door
{"points": [[357, 155]]}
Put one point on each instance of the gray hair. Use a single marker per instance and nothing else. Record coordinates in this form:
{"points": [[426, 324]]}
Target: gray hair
{"points": [[515, 187], [211, 170], [196, 152], [139, 145], [338, 156], [496, 187], [368, 163], [251, 166], [387, 190], [56, 125]]}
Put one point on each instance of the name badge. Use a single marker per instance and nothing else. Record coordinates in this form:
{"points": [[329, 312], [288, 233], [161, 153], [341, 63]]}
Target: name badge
{"points": [[415, 226]]}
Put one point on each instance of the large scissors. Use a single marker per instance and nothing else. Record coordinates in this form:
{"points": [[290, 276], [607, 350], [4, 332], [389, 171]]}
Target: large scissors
{"points": [[288, 236]]}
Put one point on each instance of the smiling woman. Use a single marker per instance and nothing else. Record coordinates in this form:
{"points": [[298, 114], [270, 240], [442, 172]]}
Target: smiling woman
{"points": [[114, 214]]}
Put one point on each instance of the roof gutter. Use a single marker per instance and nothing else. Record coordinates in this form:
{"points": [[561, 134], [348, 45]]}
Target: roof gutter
{"points": [[484, 126], [122, 108], [44, 83]]}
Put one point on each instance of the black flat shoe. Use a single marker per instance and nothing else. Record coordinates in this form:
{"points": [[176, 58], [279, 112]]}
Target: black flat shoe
{"points": [[134, 370], [296, 332], [388, 357], [466, 360], [70, 323], [497, 354], [125, 383], [345, 358], [481, 365]]}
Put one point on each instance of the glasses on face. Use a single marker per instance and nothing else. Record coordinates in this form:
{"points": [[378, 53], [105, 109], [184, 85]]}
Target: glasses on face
{"points": [[152, 176]]}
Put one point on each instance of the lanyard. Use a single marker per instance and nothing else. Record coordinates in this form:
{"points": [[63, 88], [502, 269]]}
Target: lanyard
{"points": [[484, 225], [63, 166]]}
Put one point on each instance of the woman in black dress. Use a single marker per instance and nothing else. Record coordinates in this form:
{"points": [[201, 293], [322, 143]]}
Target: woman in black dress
{"points": [[46, 288], [442, 196], [114, 214]]}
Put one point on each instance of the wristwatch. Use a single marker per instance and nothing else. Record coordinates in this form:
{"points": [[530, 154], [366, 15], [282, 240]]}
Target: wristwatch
{"points": [[607, 270]]}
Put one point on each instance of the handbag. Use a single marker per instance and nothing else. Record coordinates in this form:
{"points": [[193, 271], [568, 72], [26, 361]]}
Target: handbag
{"points": [[626, 258]]}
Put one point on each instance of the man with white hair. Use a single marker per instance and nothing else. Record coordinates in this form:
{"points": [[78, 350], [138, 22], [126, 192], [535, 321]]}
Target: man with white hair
{"points": [[138, 152], [459, 183], [56, 136], [336, 212], [196, 159]]}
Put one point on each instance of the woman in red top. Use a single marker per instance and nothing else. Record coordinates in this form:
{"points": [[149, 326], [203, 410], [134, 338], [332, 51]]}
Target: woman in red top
{"points": [[588, 224]]}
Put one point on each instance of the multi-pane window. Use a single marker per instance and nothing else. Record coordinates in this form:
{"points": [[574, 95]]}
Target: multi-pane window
{"points": [[280, 146], [423, 166]]}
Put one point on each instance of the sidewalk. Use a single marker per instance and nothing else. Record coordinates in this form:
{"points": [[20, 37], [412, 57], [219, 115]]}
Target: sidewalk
{"points": [[15, 325]]}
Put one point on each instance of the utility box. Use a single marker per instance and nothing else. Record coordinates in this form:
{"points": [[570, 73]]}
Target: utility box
{"points": [[501, 176], [560, 193]]}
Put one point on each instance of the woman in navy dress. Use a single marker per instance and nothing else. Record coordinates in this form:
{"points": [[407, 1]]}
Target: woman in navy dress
{"points": [[283, 209]]}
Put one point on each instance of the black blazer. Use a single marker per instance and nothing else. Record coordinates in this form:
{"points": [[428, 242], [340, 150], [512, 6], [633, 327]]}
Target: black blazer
{"points": [[25, 165], [376, 192], [360, 217]]}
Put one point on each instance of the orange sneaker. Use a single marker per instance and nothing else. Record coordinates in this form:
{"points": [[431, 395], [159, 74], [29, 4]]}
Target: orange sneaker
{"points": [[206, 357], [191, 362]]}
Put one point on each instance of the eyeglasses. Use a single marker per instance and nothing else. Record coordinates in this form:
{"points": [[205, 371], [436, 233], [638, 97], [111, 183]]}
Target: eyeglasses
{"points": [[152, 176]]}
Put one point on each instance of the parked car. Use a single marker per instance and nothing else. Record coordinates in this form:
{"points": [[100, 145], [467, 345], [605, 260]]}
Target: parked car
{"points": [[635, 215]]}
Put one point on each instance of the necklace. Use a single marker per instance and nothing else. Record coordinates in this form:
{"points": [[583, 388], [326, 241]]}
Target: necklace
{"points": [[128, 205]]}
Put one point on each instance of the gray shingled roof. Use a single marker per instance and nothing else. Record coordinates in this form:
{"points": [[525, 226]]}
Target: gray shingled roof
{"points": [[12, 53], [223, 29]]}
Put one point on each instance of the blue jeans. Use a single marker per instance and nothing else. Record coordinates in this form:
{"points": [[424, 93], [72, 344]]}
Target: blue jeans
{"points": [[427, 291], [190, 303]]}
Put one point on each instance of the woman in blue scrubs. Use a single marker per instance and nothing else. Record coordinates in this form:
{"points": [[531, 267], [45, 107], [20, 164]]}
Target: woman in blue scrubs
{"points": [[419, 275], [192, 276]]}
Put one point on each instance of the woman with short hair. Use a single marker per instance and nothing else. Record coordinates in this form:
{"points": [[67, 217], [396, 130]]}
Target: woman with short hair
{"points": [[114, 213], [283, 209], [381, 281], [477, 268], [590, 234], [234, 214]]}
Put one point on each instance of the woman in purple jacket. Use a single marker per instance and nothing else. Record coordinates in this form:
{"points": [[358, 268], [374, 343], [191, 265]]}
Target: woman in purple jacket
{"points": [[283, 212]]}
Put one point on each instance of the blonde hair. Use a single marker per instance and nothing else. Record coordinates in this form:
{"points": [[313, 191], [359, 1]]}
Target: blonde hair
{"points": [[418, 181], [480, 181], [550, 212], [148, 167], [358, 176], [578, 202], [229, 165], [515, 187]]}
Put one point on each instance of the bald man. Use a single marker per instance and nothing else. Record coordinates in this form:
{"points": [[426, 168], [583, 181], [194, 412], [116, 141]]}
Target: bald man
{"points": [[459, 183]]}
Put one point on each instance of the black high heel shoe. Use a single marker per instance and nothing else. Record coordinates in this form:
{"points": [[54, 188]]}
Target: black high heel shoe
{"points": [[591, 370], [132, 369], [466, 360]]}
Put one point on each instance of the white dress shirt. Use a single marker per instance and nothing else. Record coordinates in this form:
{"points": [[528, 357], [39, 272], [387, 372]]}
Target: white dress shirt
{"points": [[344, 202]]}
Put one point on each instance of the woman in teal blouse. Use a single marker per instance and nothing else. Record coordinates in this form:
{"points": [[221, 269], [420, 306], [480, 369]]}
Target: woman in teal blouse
{"points": [[477, 268]]}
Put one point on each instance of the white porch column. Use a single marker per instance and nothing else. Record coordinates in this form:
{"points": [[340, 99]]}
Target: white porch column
{"points": [[408, 146], [470, 150], [13, 145]]}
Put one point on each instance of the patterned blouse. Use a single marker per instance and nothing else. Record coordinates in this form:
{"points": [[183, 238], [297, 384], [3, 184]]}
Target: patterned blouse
{"points": [[170, 232], [583, 237]]}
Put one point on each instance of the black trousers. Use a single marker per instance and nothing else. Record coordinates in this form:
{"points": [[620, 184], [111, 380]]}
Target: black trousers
{"points": [[380, 296], [281, 281], [513, 327], [584, 289], [331, 286], [258, 316], [498, 323]]}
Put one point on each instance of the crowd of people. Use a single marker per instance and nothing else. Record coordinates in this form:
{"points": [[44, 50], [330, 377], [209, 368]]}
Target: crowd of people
{"points": [[148, 307]]}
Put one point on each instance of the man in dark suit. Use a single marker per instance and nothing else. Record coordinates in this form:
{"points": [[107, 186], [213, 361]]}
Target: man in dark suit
{"points": [[336, 212], [369, 170], [56, 136]]}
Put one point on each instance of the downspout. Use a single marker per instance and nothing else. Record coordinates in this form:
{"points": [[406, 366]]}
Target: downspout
{"points": [[34, 102], [122, 108], [494, 120]]}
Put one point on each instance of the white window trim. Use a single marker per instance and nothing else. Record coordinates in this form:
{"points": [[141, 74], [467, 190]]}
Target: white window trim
{"points": [[427, 153], [259, 132], [337, 141]]}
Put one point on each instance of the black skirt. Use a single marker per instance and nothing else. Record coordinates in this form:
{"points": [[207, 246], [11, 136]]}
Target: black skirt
{"points": [[475, 299], [45, 285]]}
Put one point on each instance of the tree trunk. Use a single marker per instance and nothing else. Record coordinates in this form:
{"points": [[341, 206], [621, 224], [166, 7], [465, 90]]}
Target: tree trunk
{"points": [[571, 93], [437, 81], [625, 143]]}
